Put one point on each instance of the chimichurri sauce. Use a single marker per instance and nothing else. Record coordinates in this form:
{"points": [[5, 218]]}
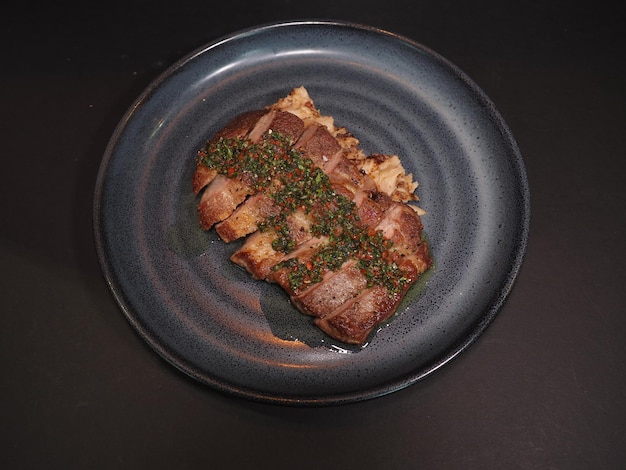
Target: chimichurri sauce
{"points": [[294, 182]]}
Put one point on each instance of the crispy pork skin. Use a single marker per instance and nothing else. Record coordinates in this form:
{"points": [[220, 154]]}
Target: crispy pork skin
{"points": [[327, 223]]}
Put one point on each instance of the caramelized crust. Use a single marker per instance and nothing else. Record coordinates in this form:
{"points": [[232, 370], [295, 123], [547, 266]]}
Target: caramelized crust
{"points": [[354, 321]]}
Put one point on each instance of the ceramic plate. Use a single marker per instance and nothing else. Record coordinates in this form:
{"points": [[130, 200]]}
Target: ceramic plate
{"points": [[207, 317]]}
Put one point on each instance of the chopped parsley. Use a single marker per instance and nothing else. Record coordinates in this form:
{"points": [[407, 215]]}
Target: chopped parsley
{"points": [[295, 183]]}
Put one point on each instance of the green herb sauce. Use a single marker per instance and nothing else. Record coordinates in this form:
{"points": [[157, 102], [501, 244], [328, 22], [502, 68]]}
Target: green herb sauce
{"points": [[304, 186]]}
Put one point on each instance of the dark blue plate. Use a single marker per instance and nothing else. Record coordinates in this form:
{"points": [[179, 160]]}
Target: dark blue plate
{"points": [[207, 317]]}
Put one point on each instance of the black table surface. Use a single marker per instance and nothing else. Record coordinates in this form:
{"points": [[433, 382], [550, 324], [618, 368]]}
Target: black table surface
{"points": [[543, 388]]}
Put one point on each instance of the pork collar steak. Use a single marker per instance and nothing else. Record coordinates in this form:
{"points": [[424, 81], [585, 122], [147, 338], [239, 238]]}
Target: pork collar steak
{"points": [[338, 230]]}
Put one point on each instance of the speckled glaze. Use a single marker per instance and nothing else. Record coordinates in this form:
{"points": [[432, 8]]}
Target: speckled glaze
{"points": [[207, 317]]}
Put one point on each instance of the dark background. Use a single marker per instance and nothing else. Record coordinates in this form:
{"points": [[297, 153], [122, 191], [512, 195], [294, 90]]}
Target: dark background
{"points": [[543, 388]]}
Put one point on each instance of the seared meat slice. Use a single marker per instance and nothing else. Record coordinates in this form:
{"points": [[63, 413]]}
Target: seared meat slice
{"points": [[369, 211], [220, 199], [402, 227], [261, 126], [324, 298], [344, 171], [238, 127], [223, 195], [258, 255], [319, 145], [286, 123], [246, 218], [281, 273], [354, 321], [202, 177], [335, 289]]}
